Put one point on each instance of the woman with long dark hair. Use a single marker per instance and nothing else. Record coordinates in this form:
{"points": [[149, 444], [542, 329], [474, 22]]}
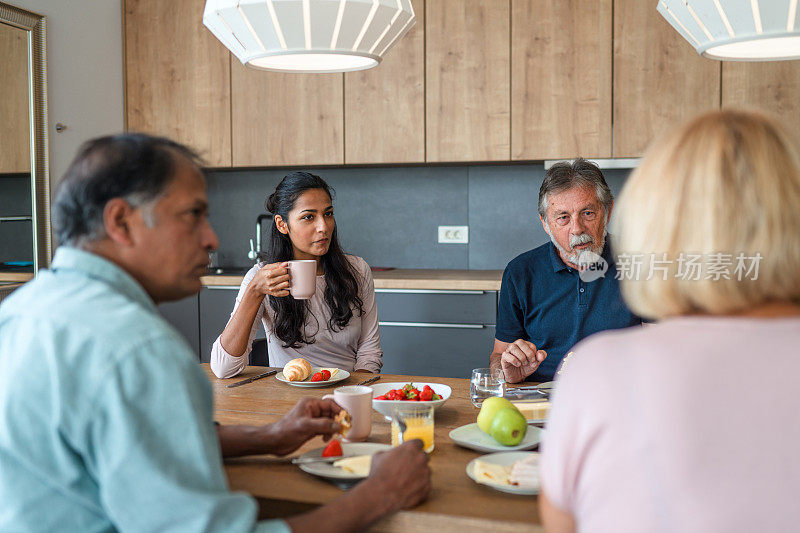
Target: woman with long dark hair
{"points": [[338, 326]]}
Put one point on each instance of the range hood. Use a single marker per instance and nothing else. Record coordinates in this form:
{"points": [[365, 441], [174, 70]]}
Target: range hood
{"points": [[604, 164]]}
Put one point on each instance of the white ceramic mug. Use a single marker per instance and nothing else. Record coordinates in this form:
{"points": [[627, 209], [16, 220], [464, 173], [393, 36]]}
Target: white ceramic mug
{"points": [[303, 278], [357, 399]]}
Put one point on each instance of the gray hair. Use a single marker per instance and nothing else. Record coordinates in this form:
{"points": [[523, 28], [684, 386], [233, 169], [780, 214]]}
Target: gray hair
{"points": [[565, 175], [132, 166]]}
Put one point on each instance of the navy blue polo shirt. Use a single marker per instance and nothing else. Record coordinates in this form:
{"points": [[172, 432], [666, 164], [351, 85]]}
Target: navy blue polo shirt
{"points": [[544, 301]]}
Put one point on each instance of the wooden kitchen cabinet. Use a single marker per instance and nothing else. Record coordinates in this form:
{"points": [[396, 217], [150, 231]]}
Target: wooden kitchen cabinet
{"points": [[286, 119], [384, 107], [473, 81], [177, 77], [659, 79], [772, 86], [467, 68], [560, 78], [15, 138]]}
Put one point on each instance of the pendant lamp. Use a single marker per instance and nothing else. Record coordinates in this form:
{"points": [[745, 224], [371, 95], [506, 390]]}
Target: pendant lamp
{"points": [[737, 30], [309, 35]]}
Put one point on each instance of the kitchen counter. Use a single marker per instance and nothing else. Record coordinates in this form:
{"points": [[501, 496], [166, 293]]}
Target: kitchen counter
{"points": [[21, 277], [408, 279], [402, 278]]}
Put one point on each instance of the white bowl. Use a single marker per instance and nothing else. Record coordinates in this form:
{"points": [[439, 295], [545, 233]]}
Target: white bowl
{"points": [[384, 407]]}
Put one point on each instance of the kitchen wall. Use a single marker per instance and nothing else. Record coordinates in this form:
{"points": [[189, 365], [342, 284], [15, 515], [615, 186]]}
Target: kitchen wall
{"points": [[84, 92], [84, 73], [390, 216]]}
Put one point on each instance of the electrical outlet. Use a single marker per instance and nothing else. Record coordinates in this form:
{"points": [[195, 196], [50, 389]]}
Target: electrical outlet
{"points": [[454, 234]]}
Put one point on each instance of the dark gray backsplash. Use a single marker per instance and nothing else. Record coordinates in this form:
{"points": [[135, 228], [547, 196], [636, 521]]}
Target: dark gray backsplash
{"points": [[16, 238], [389, 216]]}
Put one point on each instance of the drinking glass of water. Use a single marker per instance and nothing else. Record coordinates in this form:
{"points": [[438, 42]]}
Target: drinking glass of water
{"points": [[486, 382]]}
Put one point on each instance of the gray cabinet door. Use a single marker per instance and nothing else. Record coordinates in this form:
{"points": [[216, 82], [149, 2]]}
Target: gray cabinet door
{"points": [[183, 315], [435, 351], [436, 333], [461, 307], [216, 304]]}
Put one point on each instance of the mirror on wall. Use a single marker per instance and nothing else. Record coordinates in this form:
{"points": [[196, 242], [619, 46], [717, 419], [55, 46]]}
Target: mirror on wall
{"points": [[25, 243]]}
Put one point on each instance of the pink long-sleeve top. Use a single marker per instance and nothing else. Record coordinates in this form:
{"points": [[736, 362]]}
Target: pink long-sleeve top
{"points": [[688, 425], [355, 347]]}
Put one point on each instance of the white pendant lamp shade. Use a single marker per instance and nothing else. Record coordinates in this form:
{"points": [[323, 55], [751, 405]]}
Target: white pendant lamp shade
{"points": [[737, 30], [309, 35]]}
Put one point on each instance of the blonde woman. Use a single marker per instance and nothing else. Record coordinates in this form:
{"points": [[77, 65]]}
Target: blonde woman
{"points": [[692, 424]]}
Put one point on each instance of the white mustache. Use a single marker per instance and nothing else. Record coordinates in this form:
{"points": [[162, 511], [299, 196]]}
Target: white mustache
{"points": [[577, 240]]}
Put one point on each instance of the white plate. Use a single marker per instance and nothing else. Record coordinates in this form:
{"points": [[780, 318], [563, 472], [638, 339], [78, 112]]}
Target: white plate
{"points": [[341, 375], [350, 449], [505, 459], [471, 436]]}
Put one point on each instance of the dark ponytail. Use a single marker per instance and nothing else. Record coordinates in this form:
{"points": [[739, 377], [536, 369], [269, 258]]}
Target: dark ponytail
{"points": [[341, 285]]}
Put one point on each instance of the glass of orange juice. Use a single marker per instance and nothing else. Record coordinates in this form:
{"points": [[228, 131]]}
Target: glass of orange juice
{"points": [[418, 421]]}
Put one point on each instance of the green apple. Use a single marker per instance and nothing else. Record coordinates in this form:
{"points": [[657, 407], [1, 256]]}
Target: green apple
{"points": [[490, 408], [508, 427]]}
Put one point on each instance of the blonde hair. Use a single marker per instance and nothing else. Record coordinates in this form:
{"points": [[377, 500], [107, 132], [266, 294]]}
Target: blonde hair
{"points": [[728, 182]]}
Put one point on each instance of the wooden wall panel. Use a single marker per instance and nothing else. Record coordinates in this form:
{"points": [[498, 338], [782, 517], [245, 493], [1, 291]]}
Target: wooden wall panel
{"points": [[467, 66], [772, 86], [286, 119], [384, 107], [560, 79], [15, 124], [659, 78], [177, 77]]}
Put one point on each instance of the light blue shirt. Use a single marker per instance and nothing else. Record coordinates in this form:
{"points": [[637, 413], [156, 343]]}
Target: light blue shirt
{"points": [[105, 414]]}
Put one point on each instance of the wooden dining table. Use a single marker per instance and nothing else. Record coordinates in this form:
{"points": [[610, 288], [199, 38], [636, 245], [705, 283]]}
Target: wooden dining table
{"points": [[456, 502]]}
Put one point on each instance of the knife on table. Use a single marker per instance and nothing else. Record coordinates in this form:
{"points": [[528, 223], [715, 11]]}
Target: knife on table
{"points": [[527, 393], [370, 380], [306, 460], [253, 378]]}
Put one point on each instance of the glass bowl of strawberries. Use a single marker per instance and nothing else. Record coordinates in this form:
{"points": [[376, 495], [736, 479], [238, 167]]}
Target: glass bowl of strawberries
{"points": [[386, 396]]}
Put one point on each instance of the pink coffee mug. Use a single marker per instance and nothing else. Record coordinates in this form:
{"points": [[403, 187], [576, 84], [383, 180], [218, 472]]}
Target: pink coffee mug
{"points": [[303, 278], [357, 399]]}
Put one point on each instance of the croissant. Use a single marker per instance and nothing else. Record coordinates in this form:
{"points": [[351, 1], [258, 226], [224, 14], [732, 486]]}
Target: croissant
{"points": [[297, 369], [345, 420]]}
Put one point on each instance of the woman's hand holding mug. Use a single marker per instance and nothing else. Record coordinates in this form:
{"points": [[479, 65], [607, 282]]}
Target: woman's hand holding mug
{"points": [[272, 279]]}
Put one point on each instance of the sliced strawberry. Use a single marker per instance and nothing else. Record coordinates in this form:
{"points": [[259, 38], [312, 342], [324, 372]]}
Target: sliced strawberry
{"points": [[333, 449]]}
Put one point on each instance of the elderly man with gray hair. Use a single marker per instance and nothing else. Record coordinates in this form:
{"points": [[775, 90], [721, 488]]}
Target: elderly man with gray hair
{"points": [[105, 414], [555, 295]]}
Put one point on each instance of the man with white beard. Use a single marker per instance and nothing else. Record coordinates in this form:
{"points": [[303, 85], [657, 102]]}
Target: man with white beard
{"points": [[564, 290]]}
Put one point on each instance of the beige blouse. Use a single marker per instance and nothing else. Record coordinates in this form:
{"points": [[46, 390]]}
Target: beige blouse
{"points": [[357, 346]]}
